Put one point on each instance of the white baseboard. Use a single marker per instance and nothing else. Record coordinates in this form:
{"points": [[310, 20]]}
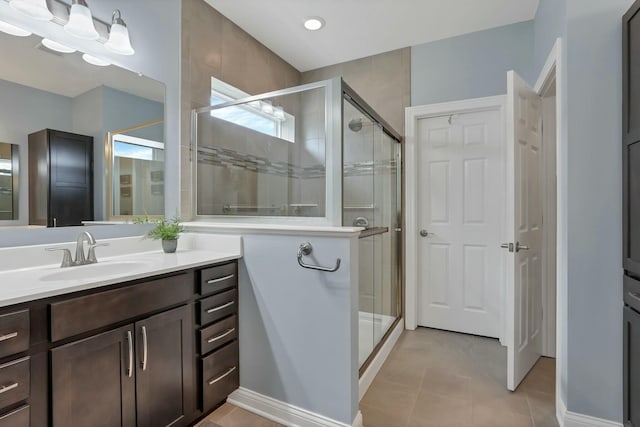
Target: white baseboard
{"points": [[376, 364], [572, 419], [284, 413]]}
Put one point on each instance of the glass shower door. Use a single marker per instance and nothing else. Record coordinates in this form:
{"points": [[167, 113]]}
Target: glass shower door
{"points": [[371, 200]]}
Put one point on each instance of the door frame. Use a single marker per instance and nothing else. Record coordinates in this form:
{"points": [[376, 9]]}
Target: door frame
{"points": [[554, 69], [412, 115]]}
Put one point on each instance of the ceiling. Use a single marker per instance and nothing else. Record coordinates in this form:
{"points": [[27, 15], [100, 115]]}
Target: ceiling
{"points": [[359, 28]]}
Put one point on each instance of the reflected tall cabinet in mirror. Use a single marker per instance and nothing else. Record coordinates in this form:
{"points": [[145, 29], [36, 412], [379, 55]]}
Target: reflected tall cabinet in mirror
{"points": [[60, 178]]}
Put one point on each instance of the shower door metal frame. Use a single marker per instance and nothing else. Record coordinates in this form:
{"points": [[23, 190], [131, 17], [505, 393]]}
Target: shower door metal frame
{"points": [[359, 103], [333, 158]]}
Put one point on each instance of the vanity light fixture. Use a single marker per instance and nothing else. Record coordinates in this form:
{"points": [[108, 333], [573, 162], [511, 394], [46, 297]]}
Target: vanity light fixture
{"points": [[95, 61], [314, 23], [267, 107], [36, 9], [5, 27], [81, 22], [278, 113], [119, 41], [58, 47]]}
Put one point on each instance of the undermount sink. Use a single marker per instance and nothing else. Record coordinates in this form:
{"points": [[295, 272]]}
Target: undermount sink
{"points": [[94, 271]]}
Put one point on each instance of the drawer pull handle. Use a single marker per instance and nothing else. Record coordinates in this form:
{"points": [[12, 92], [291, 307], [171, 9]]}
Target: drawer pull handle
{"points": [[634, 296], [221, 307], [219, 337], [212, 382], [5, 388], [220, 279], [8, 336]]}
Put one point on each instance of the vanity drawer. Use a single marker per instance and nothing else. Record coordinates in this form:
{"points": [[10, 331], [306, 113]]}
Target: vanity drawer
{"points": [[14, 332], [219, 278], [86, 313], [14, 382], [219, 375], [18, 418], [218, 306], [218, 334]]}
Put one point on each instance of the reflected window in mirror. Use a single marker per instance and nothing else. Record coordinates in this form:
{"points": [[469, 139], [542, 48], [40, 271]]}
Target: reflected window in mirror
{"points": [[137, 171], [9, 173]]}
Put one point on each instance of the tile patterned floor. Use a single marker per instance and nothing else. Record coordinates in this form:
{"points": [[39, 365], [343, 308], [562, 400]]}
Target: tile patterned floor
{"points": [[442, 379]]}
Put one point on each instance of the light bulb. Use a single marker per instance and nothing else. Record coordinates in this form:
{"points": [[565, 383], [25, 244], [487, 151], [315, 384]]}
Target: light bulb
{"points": [[13, 30], [95, 61], [81, 22]]}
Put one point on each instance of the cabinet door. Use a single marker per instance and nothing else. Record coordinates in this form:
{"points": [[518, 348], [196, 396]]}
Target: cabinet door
{"points": [[71, 179], [164, 376], [631, 368], [93, 381]]}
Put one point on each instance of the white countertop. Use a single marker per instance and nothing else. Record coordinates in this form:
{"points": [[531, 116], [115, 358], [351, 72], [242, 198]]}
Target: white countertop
{"points": [[23, 278]]}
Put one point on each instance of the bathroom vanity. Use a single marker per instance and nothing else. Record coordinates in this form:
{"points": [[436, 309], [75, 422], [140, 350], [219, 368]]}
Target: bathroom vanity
{"points": [[145, 339]]}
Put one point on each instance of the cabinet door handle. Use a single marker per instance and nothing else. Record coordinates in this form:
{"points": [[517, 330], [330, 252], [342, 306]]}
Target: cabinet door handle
{"points": [[219, 337], [8, 336], [144, 349], [130, 343], [634, 296], [6, 388], [215, 380], [220, 307], [220, 279]]}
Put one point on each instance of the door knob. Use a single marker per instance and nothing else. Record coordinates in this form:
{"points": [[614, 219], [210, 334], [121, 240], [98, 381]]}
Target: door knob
{"points": [[507, 246], [520, 247], [424, 233]]}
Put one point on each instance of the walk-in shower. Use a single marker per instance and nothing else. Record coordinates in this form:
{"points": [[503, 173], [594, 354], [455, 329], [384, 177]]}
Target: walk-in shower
{"points": [[315, 154]]}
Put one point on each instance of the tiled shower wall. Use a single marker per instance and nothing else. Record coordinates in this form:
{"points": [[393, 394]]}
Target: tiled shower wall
{"points": [[383, 81], [213, 46]]}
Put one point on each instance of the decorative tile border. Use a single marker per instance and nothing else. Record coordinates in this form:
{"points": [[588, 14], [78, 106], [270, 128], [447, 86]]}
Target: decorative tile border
{"points": [[231, 159]]}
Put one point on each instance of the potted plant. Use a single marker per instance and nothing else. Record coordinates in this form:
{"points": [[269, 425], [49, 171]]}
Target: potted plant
{"points": [[168, 231]]}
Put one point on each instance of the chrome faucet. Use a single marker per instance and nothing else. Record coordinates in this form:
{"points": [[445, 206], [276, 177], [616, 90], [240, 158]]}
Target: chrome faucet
{"points": [[81, 259], [85, 236]]}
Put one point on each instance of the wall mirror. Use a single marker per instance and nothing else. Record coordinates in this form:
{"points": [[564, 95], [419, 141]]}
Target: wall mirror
{"points": [[9, 179], [46, 89]]}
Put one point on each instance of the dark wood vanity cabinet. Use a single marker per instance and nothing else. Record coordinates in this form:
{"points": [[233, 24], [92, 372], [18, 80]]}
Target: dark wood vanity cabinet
{"points": [[218, 334], [631, 367], [91, 384], [60, 178], [132, 354], [134, 375]]}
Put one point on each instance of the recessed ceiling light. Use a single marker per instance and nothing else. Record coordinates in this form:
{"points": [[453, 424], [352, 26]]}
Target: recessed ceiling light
{"points": [[95, 61], [58, 47], [13, 30], [314, 23]]}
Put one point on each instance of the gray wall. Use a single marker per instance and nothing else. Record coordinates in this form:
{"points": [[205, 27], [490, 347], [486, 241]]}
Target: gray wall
{"points": [[25, 110], [594, 82], [548, 25], [471, 66], [300, 353]]}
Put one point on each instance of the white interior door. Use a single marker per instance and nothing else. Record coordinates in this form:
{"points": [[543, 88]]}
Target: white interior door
{"points": [[461, 200], [524, 216]]}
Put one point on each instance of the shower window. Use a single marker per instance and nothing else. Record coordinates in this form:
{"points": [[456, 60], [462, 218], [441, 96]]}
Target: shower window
{"points": [[267, 156], [260, 116]]}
